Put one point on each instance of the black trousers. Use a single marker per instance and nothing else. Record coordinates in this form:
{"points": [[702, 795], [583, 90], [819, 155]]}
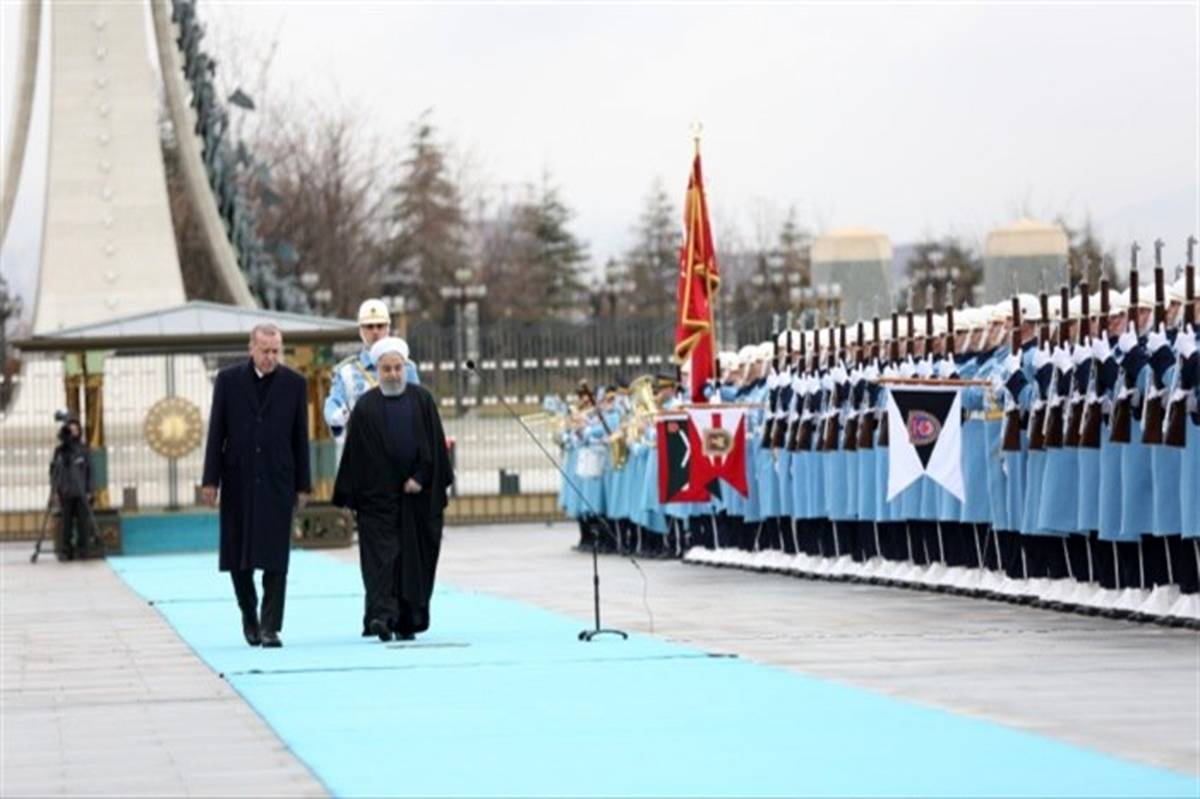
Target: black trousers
{"points": [[76, 526], [274, 587]]}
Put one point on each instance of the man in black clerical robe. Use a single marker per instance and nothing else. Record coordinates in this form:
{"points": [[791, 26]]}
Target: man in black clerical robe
{"points": [[394, 474]]}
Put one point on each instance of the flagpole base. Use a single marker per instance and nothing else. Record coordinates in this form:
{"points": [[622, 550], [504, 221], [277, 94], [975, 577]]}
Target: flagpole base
{"points": [[588, 635]]}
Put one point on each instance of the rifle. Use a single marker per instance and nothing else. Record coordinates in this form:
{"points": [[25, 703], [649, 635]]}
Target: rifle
{"points": [[1175, 434], [1037, 419], [1054, 414], [1011, 436], [1093, 411], [1122, 414], [808, 426], [1075, 409], [894, 357], [793, 432], [772, 394], [1154, 411], [850, 432], [866, 419], [929, 322], [779, 429], [832, 420]]}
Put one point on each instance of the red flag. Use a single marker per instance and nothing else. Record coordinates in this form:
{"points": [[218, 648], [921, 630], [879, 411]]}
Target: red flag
{"points": [[698, 282], [718, 446], [675, 482]]}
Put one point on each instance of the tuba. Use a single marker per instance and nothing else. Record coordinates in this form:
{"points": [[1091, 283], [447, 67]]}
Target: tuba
{"points": [[642, 410]]}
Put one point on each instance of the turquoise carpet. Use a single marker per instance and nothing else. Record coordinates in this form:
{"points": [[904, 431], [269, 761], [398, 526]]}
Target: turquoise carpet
{"points": [[500, 699]]}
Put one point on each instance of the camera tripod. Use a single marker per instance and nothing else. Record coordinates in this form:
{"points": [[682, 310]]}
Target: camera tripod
{"points": [[91, 535]]}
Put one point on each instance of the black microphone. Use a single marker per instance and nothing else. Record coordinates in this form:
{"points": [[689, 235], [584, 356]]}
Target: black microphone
{"points": [[586, 635]]}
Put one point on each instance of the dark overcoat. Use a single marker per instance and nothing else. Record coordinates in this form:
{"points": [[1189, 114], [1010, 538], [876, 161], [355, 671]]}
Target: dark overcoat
{"points": [[258, 456]]}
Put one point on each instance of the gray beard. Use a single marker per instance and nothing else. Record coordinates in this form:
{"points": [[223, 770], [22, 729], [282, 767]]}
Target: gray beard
{"points": [[392, 389]]}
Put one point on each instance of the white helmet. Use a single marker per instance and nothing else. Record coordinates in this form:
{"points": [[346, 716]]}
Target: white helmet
{"points": [[373, 312]]}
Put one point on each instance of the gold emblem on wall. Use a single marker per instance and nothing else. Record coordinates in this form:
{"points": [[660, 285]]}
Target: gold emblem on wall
{"points": [[173, 427]]}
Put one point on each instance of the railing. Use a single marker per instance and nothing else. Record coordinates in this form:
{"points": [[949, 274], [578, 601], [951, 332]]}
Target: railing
{"points": [[521, 364]]}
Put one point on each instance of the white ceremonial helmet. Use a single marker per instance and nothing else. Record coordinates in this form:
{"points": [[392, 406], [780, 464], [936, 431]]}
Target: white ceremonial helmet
{"points": [[747, 354], [1177, 291], [1000, 312], [1031, 308], [1146, 297], [1118, 302], [373, 312]]}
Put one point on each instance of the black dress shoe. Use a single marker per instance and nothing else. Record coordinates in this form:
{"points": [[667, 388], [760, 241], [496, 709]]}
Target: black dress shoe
{"points": [[405, 636], [270, 640], [380, 629], [250, 630]]}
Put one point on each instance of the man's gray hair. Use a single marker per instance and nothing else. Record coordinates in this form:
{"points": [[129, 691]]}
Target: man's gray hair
{"points": [[267, 329]]}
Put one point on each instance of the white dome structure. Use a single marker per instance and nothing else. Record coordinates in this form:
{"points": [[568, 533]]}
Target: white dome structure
{"points": [[857, 259], [1024, 255]]}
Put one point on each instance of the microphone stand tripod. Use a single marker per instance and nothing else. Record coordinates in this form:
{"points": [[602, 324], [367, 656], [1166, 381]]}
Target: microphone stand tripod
{"points": [[584, 635]]}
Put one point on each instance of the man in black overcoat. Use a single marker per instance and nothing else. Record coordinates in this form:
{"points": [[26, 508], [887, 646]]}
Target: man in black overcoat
{"points": [[257, 456], [394, 474]]}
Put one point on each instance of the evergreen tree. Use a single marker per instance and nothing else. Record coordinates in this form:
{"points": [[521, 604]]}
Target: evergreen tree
{"points": [[550, 259], [653, 261], [428, 242], [1086, 257], [936, 264], [793, 253]]}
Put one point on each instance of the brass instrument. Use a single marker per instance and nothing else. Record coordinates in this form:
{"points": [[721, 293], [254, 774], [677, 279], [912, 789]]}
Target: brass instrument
{"points": [[643, 408]]}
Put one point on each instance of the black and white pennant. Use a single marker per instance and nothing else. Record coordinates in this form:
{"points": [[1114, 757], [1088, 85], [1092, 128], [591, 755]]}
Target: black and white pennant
{"points": [[925, 435]]}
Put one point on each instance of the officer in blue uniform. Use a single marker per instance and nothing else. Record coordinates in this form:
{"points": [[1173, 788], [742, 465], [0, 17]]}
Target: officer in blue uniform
{"points": [[355, 375]]}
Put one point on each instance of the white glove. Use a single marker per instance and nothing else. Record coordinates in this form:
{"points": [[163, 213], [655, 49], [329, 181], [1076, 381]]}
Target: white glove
{"points": [[946, 368], [1041, 357], [907, 369], [1012, 364], [890, 371], [838, 374], [1061, 359], [925, 368], [827, 382], [1185, 342], [871, 372], [1081, 353], [1128, 340], [1156, 340], [997, 384], [339, 418], [1101, 348]]}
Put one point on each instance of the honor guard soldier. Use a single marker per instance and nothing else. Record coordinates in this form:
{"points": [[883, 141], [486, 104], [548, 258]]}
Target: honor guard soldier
{"points": [[355, 375]]}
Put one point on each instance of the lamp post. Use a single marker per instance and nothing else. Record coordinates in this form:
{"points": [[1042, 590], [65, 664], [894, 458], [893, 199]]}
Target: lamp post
{"points": [[10, 305], [461, 293]]}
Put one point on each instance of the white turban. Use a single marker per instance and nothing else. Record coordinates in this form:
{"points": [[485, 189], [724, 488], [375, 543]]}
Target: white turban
{"points": [[389, 344]]}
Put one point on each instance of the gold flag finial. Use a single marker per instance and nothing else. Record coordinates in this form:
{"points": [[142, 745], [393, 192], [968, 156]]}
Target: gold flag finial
{"points": [[697, 129]]}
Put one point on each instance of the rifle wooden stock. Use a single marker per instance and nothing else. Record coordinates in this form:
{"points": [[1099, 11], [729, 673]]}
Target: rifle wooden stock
{"points": [[1089, 427], [1175, 431], [1074, 433], [1037, 417], [1011, 435], [1055, 421], [1154, 410]]}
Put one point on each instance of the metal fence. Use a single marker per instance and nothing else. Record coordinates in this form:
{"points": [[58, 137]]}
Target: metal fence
{"points": [[521, 363]]}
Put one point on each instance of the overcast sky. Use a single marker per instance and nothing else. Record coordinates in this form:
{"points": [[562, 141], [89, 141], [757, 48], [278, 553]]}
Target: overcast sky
{"points": [[913, 120]]}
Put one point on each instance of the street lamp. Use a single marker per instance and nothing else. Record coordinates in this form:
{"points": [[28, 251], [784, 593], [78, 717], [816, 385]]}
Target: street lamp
{"points": [[10, 305], [461, 294]]}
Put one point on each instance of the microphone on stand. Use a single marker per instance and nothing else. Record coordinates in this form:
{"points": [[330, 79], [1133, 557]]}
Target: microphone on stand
{"points": [[584, 635]]}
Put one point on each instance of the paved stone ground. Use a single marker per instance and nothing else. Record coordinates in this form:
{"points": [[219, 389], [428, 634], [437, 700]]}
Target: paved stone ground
{"points": [[1127, 689], [99, 697]]}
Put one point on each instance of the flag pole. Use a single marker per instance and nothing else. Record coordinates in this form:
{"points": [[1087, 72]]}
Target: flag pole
{"points": [[697, 127]]}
